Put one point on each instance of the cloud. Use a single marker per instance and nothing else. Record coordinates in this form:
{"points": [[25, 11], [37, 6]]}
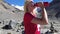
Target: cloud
{"points": [[19, 7]]}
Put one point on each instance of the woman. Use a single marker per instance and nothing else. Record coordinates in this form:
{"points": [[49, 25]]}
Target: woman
{"points": [[30, 20]]}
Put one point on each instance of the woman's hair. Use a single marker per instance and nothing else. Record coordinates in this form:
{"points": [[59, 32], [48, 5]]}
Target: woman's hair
{"points": [[25, 6]]}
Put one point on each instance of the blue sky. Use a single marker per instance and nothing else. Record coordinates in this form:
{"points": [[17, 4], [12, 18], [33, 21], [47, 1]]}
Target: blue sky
{"points": [[21, 2]]}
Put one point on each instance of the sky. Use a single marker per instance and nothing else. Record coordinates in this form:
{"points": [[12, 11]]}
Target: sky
{"points": [[21, 2]]}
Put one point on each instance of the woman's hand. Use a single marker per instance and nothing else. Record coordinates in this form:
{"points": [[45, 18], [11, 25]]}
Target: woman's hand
{"points": [[39, 4]]}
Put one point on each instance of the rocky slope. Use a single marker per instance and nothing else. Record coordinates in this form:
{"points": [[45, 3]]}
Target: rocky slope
{"points": [[54, 15], [7, 13]]}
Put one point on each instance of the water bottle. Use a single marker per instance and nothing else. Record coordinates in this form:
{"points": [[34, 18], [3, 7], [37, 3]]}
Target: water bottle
{"points": [[38, 11]]}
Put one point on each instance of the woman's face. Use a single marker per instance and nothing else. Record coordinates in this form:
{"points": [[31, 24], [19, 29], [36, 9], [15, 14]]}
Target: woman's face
{"points": [[30, 7]]}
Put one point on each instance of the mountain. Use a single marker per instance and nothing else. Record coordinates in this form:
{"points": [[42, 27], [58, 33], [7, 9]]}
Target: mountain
{"points": [[54, 15], [10, 12], [54, 8], [7, 13]]}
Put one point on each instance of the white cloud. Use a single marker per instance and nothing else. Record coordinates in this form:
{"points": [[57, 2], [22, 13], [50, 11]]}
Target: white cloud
{"points": [[12, 5], [19, 7]]}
